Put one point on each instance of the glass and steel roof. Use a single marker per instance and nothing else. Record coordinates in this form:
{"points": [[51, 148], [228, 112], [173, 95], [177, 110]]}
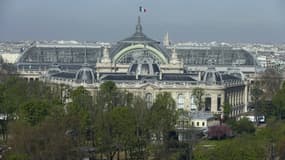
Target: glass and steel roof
{"points": [[214, 55], [71, 56], [138, 38]]}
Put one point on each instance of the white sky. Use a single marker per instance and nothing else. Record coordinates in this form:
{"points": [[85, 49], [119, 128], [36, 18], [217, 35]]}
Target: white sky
{"points": [[112, 20]]}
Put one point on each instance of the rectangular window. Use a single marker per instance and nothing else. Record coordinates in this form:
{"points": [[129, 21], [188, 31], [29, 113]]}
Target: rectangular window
{"points": [[219, 104], [193, 106], [180, 101], [208, 104]]}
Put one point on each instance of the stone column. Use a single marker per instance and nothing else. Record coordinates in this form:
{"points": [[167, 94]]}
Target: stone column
{"points": [[245, 97], [187, 101], [230, 98], [240, 91]]}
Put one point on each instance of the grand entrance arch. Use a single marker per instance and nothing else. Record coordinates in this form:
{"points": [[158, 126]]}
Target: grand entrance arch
{"points": [[128, 54]]}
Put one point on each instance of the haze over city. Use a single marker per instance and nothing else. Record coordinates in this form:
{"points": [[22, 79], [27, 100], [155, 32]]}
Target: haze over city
{"points": [[142, 79], [111, 20]]}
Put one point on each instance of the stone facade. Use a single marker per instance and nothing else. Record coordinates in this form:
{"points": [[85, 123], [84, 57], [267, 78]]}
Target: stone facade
{"points": [[140, 65]]}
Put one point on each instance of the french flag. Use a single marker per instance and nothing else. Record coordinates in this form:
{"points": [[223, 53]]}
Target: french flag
{"points": [[141, 9]]}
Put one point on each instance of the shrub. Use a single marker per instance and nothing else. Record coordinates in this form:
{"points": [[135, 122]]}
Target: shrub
{"points": [[244, 126], [219, 132]]}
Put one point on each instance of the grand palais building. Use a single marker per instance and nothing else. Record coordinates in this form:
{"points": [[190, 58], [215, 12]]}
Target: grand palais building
{"points": [[146, 67]]}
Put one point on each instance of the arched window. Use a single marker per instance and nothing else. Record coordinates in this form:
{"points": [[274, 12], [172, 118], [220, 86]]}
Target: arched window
{"points": [[131, 55], [180, 104], [193, 106]]}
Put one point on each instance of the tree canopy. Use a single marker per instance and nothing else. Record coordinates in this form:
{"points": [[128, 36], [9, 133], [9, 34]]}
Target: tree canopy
{"points": [[198, 94]]}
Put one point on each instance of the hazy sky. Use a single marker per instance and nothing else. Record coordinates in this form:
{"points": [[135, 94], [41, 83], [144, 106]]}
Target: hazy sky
{"points": [[112, 20]]}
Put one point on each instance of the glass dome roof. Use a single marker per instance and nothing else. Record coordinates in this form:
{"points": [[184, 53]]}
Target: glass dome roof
{"points": [[144, 66], [211, 76], [138, 38], [85, 75]]}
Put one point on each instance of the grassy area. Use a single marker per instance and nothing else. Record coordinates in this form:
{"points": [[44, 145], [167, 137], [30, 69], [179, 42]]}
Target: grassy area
{"points": [[266, 141]]}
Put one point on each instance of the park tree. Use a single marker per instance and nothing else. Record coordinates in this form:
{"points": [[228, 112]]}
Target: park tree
{"points": [[227, 108], [123, 128], [39, 130], [270, 83], [12, 95], [141, 114], [46, 141], [38, 125], [117, 121], [264, 90], [106, 99], [1, 60], [3, 112], [243, 126], [279, 103], [162, 120], [256, 96], [6, 70], [113, 122], [198, 94], [108, 96], [34, 111], [81, 109], [16, 92], [3, 72], [81, 99]]}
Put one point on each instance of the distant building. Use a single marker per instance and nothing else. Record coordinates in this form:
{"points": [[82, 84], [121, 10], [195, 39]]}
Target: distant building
{"points": [[142, 66], [10, 58], [203, 120]]}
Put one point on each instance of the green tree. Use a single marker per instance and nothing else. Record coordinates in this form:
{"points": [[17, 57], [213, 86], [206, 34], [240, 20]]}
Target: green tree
{"points": [[46, 141], [198, 94], [1, 60], [34, 111], [279, 103], [81, 99], [256, 95], [110, 103], [16, 92], [123, 128], [13, 94], [82, 109], [6, 70], [138, 149], [108, 95], [270, 83], [41, 125], [227, 108], [244, 126], [163, 117]]}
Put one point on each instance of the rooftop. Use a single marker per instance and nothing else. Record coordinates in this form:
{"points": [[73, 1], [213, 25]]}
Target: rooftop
{"points": [[201, 115]]}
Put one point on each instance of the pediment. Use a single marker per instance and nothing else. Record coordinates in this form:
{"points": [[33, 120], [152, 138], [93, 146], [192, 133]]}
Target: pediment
{"points": [[149, 86]]}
